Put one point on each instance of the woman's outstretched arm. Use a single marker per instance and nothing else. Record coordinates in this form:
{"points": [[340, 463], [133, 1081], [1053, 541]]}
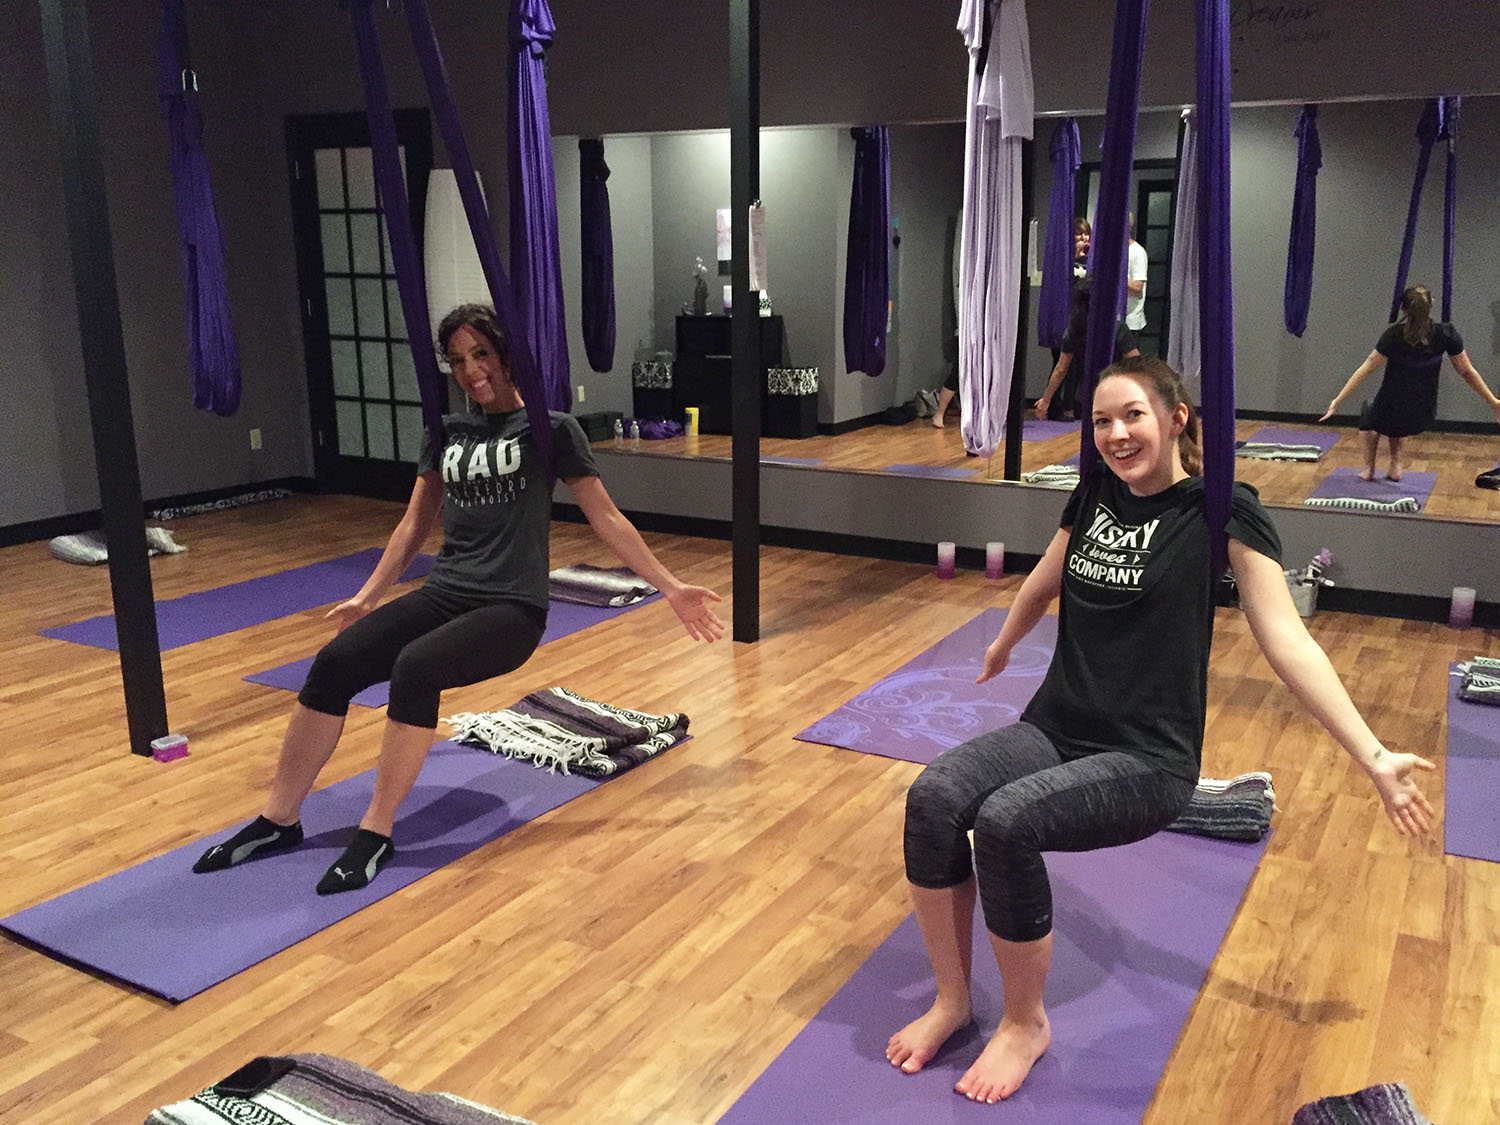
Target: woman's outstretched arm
{"points": [[1304, 667], [1373, 362], [1032, 600], [402, 547]]}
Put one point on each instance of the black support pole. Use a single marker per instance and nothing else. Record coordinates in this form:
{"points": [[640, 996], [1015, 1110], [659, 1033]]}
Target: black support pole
{"points": [[74, 104], [744, 364], [1013, 415]]}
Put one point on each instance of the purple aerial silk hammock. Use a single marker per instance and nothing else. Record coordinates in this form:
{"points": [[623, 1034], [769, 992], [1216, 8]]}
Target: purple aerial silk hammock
{"points": [[1450, 202], [535, 257], [867, 273], [1057, 256], [213, 355], [1300, 242], [598, 255], [1439, 121]]}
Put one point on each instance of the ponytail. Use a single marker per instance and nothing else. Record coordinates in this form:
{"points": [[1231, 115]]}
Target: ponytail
{"points": [[1416, 316]]}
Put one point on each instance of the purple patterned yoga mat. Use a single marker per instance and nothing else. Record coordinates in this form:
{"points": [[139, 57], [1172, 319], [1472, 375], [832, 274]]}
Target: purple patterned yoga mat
{"points": [[931, 703], [1044, 429], [563, 618], [1136, 930], [163, 929], [212, 613], [1271, 435], [945, 472], [1344, 483], [1471, 814]]}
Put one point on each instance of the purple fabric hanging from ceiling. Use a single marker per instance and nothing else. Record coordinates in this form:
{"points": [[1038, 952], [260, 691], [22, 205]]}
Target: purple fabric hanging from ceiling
{"points": [[1057, 256], [523, 366], [391, 185], [1429, 125], [1297, 295], [1113, 206], [867, 271], [1216, 295], [1450, 200], [598, 247], [535, 257], [213, 355]]}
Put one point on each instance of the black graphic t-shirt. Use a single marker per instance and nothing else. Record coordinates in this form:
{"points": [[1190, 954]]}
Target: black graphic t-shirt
{"points": [[1131, 667], [497, 507]]}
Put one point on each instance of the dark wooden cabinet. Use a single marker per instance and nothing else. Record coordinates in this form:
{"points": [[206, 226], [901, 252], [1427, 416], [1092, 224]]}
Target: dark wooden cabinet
{"points": [[700, 372]]}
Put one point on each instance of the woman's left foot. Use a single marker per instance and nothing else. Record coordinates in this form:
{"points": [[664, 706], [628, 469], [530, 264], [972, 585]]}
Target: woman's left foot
{"points": [[1393, 475], [1006, 1060], [366, 854]]}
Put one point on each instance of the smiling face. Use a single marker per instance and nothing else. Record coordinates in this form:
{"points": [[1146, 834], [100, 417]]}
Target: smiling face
{"points": [[481, 372], [1136, 434]]}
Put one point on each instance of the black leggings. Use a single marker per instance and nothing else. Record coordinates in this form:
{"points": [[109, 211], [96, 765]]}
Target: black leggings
{"points": [[422, 642], [1022, 797]]}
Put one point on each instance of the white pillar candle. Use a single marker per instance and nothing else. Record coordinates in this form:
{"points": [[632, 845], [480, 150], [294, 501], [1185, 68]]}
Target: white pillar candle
{"points": [[994, 560], [946, 555], [728, 298], [1461, 612]]}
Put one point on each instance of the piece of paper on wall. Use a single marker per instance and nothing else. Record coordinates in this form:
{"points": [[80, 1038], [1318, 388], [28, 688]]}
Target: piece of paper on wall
{"points": [[758, 280], [722, 231]]}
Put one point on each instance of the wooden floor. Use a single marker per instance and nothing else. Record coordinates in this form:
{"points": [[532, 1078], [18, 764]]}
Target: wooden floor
{"points": [[642, 953], [1456, 459]]}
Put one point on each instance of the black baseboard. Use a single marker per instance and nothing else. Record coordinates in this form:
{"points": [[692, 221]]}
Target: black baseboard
{"points": [[75, 522], [1410, 607], [1351, 420], [849, 425]]}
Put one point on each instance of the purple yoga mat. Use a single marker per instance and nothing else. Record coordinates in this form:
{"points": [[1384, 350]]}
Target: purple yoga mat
{"points": [[1471, 816], [1136, 930], [1044, 429], [562, 618], [931, 703], [163, 929], [946, 472], [810, 462], [212, 613], [1271, 435], [1344, 483]]}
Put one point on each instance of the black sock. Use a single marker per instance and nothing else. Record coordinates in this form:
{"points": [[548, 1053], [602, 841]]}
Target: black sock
{"points": [[256, 838], [366, 854]]}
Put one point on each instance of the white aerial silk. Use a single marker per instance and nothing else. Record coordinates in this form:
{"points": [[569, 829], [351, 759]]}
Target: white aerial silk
{"points": [[1184, 347], [1000, 109]]}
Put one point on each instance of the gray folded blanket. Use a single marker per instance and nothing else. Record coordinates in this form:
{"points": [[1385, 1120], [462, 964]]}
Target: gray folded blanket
{"points": [[1054, 476], [1360, 504], [1389, 1104], [563, 730], [1480, 687], [598, 585], [1235, 809], [324, 1090], [1279, 451]]}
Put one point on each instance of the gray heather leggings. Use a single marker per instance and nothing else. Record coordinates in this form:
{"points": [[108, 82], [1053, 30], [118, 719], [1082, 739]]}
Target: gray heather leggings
{"points": [[1022, 797]]}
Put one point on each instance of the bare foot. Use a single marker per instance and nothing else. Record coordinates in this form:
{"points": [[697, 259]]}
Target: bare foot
{"points": [[1394, 474], [1005, 1061], [937, 421], [1367, 474], [913, 1046]]}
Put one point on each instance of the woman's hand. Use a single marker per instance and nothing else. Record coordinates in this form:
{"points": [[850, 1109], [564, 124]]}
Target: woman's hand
{"points": [[1332, 406], [1394, 776], [347, 613], [996, 657], [690, 604], [1041, 408]]}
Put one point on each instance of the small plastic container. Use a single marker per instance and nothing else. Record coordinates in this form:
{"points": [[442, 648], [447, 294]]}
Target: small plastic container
{"points": [[169, 747]]}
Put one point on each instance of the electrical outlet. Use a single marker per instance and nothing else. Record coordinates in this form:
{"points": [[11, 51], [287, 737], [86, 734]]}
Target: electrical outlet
{"points": [[581, 394], [255, 438]]}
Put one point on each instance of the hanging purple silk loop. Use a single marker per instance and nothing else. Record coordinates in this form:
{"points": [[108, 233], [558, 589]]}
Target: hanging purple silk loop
{"points": [[1216, 295], [391, 184], [213, 355], [1113, 206], [523, 366], [1450, 200], [867, 271], [1297, 295], [1057, 256], [1429, 125], [535, 256], [598, 255]]}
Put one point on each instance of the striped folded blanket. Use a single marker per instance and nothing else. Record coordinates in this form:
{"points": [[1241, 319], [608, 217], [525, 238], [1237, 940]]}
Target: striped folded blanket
{"points": [[598, 585], [1237, 809], [324, 1090], [1278, 451], [1360, 504], [1054, 476], [1479, 687], [562, 730], [1389, 1104]]}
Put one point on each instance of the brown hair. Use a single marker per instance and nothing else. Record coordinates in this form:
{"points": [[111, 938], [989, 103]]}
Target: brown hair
{"points": [[482, 319], [1416, 315], [1165, 385], [1081, 226]]}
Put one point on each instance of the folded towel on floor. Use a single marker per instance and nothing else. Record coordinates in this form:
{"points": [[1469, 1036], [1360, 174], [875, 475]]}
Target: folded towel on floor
{"points": [[1390, 1104], [1235, 809], [1360, 504], [1480, 688], [563, 730], [324, 1090], [1278, 451], [1487, 665], [598, 585], [1054, 476]]}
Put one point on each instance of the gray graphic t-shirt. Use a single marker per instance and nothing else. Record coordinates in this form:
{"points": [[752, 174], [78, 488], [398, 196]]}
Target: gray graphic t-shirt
{"points": [[497, 507]]}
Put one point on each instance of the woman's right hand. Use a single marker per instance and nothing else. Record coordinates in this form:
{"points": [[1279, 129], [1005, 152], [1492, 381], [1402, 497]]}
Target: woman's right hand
{"points": [[1041, 409], [347, 613], [1395, 779], [1327, 414], [996, 657]]}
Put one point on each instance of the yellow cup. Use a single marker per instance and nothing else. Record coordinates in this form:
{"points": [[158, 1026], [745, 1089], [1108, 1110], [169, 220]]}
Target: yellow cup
{"points": [[692, 420]]}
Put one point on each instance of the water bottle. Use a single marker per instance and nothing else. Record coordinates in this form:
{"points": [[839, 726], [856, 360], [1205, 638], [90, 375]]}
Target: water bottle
{"points": [[635, 433], [619, 432]]}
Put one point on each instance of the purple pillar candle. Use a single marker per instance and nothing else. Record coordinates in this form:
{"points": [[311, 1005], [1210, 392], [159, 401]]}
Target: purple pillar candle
{"points": [[946, 556], [1461, 612], [994, 560]]}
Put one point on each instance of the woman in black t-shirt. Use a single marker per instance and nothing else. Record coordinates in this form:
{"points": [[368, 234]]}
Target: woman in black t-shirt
{"points": [[480, 613], [1406, 403], [1109, 749]]}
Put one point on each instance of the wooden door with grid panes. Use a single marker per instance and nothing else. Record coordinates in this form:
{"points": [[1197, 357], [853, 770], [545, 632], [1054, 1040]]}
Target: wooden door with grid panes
{"points": [[362, 384]]}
